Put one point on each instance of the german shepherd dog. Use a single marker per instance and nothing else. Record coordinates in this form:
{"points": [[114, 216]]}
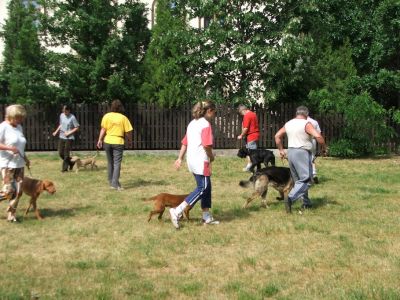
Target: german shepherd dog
{"points": [[277, 177], [257, 157]]}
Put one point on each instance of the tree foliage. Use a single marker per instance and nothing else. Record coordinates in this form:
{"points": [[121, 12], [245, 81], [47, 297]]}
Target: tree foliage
{"points": [[23, 72], [107, 42], [168, 81]]}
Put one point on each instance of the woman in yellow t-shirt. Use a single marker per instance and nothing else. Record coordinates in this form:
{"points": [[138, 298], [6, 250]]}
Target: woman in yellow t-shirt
{"points": [[114, 128]]}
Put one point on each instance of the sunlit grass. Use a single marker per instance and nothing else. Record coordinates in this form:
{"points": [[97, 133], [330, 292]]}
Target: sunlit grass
{"points": [[96, 243]]}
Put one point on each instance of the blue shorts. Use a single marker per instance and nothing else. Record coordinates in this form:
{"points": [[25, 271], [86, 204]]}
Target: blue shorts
{"points": [[251, 145]]}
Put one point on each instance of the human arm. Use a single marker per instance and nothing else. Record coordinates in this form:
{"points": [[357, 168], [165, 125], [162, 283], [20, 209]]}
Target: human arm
{"points": [[278, 141], [244, 133], [72, 131], [182, 152], [55, 132], [128, 138], [317, 135], [101, 138], [209, 152], [13, 149]]}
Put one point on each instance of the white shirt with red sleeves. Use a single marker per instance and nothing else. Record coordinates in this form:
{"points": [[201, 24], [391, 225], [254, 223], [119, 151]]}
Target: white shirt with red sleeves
{"points": [[198, 135]]}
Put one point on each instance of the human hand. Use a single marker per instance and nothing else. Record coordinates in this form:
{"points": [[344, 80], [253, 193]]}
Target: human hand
{"points": [[212, 158], [54, 133], [282, 153], [324, 152], [178, 163], [14, 150], [239, 137], [99, 144]]}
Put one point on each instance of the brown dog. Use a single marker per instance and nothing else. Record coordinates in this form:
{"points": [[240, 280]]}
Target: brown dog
{"points": [[163, 200], [82, 163], [33, 188]]}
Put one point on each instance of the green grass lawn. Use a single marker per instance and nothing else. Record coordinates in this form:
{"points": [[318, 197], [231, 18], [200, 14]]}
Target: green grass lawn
{"points": [[96, 243]]}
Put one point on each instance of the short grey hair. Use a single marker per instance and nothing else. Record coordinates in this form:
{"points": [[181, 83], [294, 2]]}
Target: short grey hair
{"points": [[302, 110], [242, 107]]}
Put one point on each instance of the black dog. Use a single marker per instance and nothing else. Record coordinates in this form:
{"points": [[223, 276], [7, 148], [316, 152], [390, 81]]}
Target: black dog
{"points": [[257, 156]]}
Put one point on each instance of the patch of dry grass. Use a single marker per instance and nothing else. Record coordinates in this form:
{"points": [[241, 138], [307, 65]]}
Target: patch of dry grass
{"points": [[95, 243]]}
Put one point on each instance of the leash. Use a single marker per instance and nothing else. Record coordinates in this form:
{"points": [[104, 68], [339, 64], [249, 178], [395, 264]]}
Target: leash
{"points": [[27, 162]]}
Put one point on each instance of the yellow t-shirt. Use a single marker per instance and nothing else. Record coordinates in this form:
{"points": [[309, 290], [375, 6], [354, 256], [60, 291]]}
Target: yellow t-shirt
{"points": [[116, 125]]}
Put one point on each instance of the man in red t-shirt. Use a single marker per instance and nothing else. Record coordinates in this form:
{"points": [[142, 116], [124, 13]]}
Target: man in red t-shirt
{"points": [[250, 130]]}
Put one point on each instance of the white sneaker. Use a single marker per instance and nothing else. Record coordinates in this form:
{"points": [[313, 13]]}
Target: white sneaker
{"points": [[174, 218], [210, 221]]}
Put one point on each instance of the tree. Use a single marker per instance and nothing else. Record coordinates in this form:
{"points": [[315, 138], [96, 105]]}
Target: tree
{"points": [[107, 41], [24, 60], [168, 81], [233, 53]]}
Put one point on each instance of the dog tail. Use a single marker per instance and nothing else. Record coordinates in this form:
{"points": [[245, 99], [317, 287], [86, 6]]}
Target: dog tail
{"points": [[244, 183], [149, 199]]}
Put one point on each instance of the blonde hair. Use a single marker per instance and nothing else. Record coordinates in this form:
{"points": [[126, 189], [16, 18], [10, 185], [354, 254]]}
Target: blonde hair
{"points": [[14, 111], [200, 108]]}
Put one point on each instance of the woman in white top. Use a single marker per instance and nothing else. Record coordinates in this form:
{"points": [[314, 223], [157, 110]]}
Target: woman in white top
{"points": [[198, 144], [12, 157]]}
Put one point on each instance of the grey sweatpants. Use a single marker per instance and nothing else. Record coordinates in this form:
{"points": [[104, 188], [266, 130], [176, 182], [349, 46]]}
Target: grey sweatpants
{"points": [[301, 170], [114, 158]]}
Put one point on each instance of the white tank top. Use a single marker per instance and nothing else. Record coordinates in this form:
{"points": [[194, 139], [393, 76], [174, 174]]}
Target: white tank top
{"points": [[297, 135]]}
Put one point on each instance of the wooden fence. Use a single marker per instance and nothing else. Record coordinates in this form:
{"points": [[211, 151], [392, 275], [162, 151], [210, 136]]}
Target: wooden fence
{"points": [[161, 128]]}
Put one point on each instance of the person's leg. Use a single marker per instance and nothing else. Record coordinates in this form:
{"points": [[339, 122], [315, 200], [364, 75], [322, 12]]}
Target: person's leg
{"points": [[117, 151], [251, 146], [202, 185], [61, 146], [206, 204], [110, 162], [16, 176], [66, 155], [301, 170], [313, 154]]}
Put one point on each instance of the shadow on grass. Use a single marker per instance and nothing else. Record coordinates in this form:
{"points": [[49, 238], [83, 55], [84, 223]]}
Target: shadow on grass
{"points": [[61, 213], [141, 182]]}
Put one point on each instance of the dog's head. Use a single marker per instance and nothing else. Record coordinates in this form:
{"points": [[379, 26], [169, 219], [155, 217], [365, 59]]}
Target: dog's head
{"points": [[243, 152], [48, 186], [74, 158]]}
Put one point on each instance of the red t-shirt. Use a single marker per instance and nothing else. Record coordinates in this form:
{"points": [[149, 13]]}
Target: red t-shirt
{"points": [[250, 121]]}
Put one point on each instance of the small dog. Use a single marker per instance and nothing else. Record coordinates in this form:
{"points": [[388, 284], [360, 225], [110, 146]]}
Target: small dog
{"points": [[277, 177], [257, 156], [163, 200], [33, 188], [82, 163]]}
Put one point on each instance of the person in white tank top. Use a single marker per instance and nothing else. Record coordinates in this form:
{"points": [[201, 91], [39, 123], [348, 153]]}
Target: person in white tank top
{"points": [[300, 133]]}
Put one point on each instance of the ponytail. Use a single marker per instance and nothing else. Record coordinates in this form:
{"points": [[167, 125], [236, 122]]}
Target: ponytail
{"points": [[200, 108]]}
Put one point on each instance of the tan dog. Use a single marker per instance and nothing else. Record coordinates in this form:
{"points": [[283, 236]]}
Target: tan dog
{"points": [[33, 188], [163, 200], [277, 177], [83, 163]]}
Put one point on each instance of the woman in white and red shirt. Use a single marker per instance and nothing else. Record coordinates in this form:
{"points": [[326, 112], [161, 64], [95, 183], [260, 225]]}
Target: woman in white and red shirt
{"points": [[198, 144]]}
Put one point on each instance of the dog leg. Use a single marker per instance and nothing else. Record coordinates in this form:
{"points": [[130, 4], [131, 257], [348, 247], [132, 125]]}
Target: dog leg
{"points": [[186, 212], [153, 212], [282, 196], [29, 206], [264, 199], [37, 213], [253, 196]]}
